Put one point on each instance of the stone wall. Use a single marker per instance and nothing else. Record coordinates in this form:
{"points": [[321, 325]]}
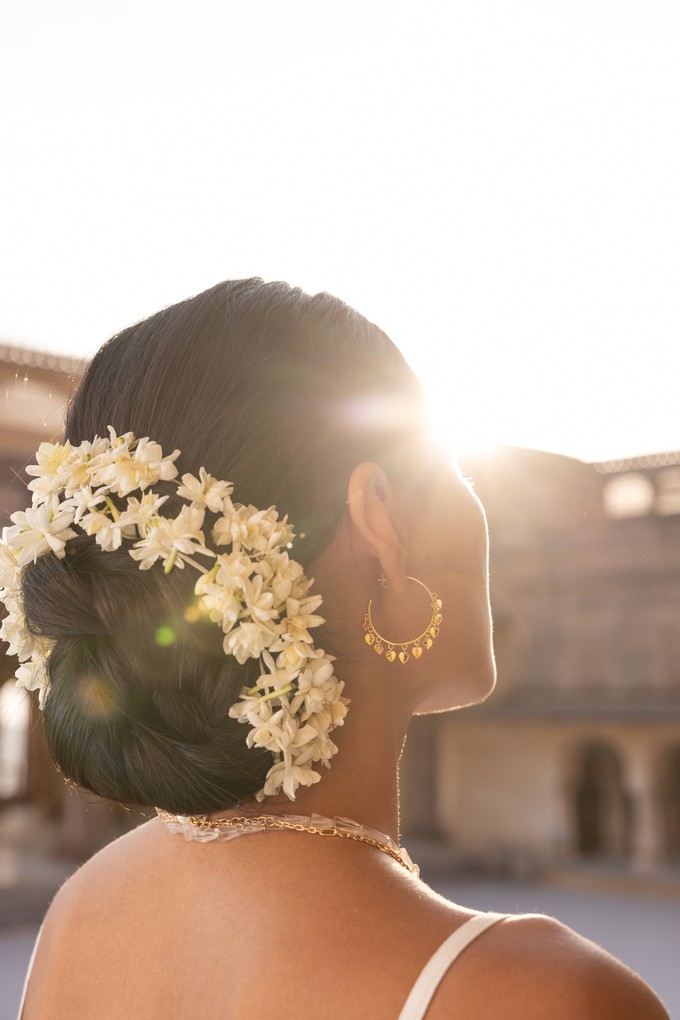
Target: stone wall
{"points": [[577, 753]]}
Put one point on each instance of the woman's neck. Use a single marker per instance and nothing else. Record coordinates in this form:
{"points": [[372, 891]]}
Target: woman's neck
{"points": [[362, 781]]}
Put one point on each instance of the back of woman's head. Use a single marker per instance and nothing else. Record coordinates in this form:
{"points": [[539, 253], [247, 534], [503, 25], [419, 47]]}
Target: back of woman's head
{"points": [[282, 394]]}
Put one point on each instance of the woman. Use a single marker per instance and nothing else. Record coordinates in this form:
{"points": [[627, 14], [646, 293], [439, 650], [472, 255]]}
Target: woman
{"points": [[206, 684]]}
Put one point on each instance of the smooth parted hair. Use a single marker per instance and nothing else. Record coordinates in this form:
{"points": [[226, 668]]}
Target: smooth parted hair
{"points": [[277, 391]]}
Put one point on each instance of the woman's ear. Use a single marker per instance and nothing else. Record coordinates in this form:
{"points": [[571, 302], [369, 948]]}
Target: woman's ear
{"points": [[369, 499]]}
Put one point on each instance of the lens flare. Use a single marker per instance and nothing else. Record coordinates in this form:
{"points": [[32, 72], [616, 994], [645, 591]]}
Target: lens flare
{"points": [[97, 697], [165, 636]]}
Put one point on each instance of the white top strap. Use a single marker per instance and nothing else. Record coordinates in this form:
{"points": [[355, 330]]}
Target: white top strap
{"points": [[436, 967], [28, 972]]}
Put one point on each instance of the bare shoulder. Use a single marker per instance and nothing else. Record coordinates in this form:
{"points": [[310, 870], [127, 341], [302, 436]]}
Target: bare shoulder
{"points": [[98, 879], [533, 967], [76, 928]]}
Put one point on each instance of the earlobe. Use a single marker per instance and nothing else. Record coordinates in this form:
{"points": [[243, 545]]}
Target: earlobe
{"points": [[369, 499]]}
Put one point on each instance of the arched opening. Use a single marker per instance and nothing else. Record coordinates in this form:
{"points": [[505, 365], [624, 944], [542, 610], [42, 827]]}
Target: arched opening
{"points": [[603, 807], [669, 795], [14, 738], [628, 495]]}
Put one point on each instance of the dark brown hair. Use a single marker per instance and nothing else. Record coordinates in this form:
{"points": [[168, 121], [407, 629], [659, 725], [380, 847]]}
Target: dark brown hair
{"points": [[281, 393]]}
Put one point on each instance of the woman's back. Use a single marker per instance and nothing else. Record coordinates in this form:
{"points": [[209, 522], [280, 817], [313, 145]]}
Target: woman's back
{"points": [[292, 926]]}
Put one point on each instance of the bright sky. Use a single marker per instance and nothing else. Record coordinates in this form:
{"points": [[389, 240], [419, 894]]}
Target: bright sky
{"points": [[496, 184]]}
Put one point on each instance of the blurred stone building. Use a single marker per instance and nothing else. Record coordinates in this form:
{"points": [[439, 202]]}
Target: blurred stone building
{"points": [[34, 391], [576, 757]]}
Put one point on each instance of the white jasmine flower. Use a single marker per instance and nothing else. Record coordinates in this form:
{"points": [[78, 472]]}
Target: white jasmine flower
{"points": [[221, 589], [207, 491], [10, 572], [302, 610], [44, 487], [91, 451], [273, 678], [51, 457], [115, 441], [222, 605], [259, 601], [301, 588], [247, 641], [31, 675], [128, 471], [170, 537], [229, 528], [91, 523], [288, 777], [292, 654], [315, 686], [12, 630], [50, 472], [334, 712], [110, 538], [278, 533], [246, 707], [276, 733], [319, 748], [123, 469], [88, 458], [39, 530], [295, 641], [141, 513], [254, 708], [83, 499], [252, 529], [109, 532], [282, 732], [256, 702], [281, 573], [151, 456], [232, 569]]}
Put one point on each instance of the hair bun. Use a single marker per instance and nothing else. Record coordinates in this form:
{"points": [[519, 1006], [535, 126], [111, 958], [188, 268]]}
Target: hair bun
{"points": [[137, 700]]}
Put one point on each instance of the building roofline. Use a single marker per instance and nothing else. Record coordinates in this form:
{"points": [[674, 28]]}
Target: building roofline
{"points": [[28, 357], [650, 460]]}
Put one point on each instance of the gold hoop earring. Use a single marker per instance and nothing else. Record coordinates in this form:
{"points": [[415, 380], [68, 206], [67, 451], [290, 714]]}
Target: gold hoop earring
{"points": [[419, 644]]}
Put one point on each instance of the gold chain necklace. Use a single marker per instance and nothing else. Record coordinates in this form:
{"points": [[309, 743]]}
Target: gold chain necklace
{"points": [[204, 830]]}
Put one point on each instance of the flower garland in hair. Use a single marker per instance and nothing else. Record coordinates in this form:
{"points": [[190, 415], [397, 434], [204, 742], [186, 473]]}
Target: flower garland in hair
{"points": [[249, 586]]}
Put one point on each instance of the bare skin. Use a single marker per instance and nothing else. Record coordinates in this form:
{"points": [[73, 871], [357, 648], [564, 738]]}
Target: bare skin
{"points": [[294, 925]]}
